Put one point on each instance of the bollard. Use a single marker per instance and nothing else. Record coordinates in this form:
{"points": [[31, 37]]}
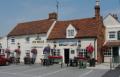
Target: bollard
{"points": [[110, 63]]}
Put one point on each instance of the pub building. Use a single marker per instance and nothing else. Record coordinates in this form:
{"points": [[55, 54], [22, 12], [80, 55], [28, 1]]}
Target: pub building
{"points": [[66, 39]]}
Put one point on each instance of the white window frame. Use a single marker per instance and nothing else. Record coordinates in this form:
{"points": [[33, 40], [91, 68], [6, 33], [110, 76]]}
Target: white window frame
{"points": [[108, 53], [112, 34], [82, 52], [71, 32], [12, 40]]}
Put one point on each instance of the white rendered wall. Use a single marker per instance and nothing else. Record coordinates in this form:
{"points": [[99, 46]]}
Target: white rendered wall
{"points": [[84, 44], [111, 24], [25, 47]]}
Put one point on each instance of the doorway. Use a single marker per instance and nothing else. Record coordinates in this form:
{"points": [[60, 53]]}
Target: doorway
{"points": [[66, 56], [115, 54], [115, 51]]}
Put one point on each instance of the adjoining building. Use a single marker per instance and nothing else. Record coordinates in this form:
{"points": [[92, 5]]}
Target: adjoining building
{"points": [[112, 39], [3, 42], [66, 38]]}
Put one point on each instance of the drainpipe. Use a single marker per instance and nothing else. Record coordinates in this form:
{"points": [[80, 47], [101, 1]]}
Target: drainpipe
{"points": [[94, 48], [7, 42]]}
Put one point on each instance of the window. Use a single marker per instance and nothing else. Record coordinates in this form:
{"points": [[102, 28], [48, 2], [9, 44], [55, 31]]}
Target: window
{"points": [[108, 53], [38, 37], [72, 52], [27, 39], [111, 34], [118, 35], [55, 52], [82, 52], [71, 32], [13, 40]]}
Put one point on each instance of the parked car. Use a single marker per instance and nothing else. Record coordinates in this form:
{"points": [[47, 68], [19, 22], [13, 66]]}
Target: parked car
{"points": [[3, 60]]}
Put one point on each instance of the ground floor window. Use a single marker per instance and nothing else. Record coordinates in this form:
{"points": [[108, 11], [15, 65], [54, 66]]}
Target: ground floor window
{"points": [[108, 53], [82, 52], [55, 52]]}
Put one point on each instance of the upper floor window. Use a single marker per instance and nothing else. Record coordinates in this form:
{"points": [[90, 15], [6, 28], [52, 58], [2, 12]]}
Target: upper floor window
{"points": [[118, 35], [13, 40], [71, 32], [112, 34], [38, 37], [27, 39]]}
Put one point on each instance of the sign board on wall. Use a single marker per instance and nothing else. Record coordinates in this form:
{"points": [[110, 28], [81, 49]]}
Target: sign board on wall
{"points": [[38, 43], [68, 44]]}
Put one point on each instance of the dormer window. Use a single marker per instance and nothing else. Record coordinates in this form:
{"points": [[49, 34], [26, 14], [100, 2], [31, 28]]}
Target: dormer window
{"points": [[71, 31]]}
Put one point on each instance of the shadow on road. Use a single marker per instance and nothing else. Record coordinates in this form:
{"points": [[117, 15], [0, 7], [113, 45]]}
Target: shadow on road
{"points": [[113, 73]]}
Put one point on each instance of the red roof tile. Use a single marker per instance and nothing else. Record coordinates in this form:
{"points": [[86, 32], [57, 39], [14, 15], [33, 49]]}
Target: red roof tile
{"points": [[34, 27], [85, 28]]}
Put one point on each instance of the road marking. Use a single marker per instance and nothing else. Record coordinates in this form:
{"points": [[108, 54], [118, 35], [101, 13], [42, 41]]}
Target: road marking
{"points": [[53, 72], [21, 67], [16, 74], [8, 73], [86, 73], [33, 69]]}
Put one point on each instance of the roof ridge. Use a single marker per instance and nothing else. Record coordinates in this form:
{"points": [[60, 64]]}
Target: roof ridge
{"points": [[76, 19], [34, 21]]}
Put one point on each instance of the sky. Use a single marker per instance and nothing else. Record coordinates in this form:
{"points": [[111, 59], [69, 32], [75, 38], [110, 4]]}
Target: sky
{"points": [[13, 12]]}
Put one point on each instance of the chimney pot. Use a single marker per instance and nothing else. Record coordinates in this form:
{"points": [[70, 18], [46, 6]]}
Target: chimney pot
{"points": [[115, 16]]}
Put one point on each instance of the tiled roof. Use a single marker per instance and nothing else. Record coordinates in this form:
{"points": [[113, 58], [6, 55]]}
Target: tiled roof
{"points": [[112, 43], [85, 28], [34, 27]]}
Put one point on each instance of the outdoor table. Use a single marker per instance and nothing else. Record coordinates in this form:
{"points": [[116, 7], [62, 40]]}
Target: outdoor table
{"points": [[82, 62], [73, 62]]}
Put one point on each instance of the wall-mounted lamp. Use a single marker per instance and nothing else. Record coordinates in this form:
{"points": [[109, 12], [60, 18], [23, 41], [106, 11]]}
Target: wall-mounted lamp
{"points": [[79, 43]]}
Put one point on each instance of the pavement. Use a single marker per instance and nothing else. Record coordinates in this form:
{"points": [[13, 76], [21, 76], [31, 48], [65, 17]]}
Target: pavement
{"points": [[37, 70], [101, 66]]}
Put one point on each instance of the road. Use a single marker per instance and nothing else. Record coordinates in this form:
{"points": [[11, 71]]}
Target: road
{"points": [[38, 70], [113, 73]]}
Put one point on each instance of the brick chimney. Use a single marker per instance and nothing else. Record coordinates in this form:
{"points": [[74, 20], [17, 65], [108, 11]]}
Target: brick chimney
{"points": [[100, 32], [53, 16]]}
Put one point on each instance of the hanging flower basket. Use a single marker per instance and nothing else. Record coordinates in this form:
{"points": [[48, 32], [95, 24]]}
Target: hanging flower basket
{"points": [[18, 51], [34, 51], [90, 49]]}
